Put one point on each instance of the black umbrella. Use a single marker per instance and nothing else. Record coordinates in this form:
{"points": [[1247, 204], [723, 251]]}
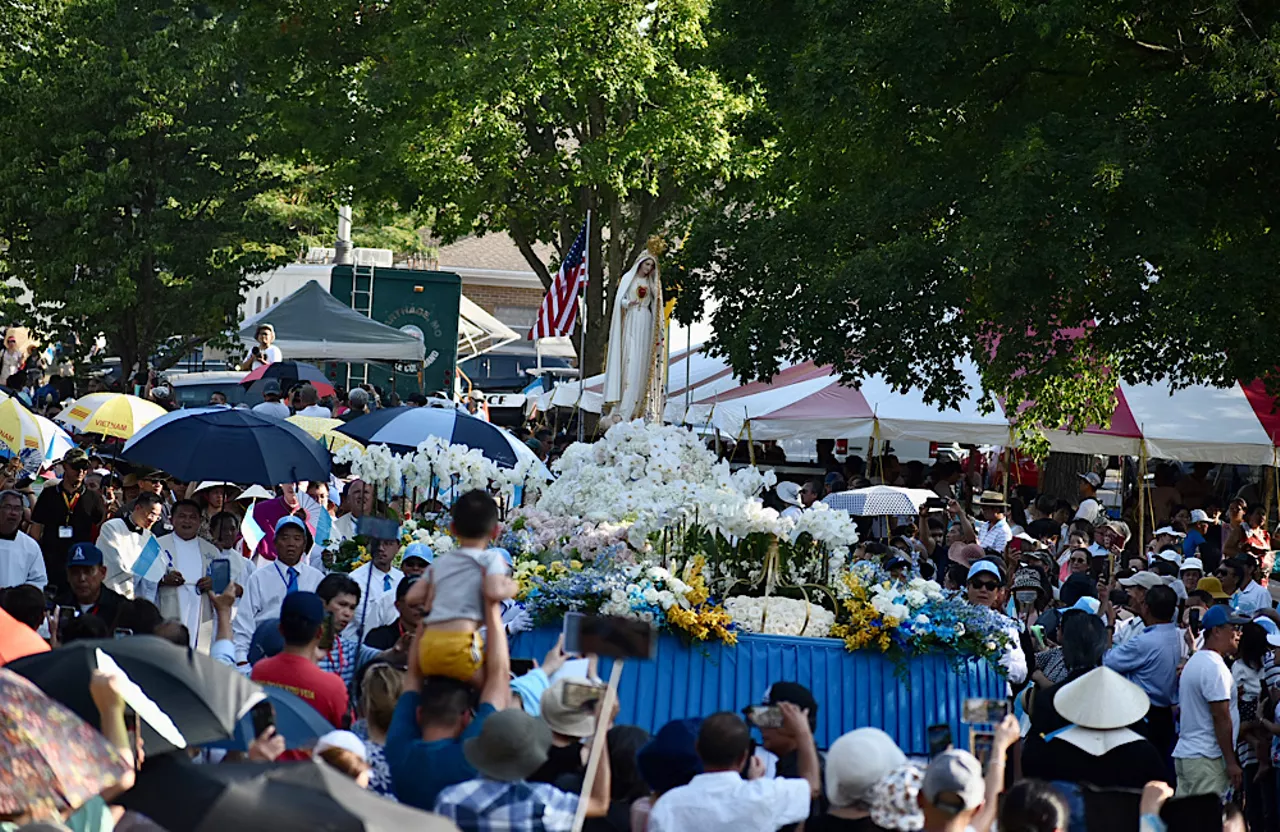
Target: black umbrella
{"points": [[219, 443], [270, 797], [203, 697]]}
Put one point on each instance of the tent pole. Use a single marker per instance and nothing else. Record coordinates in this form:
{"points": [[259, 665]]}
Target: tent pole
{"points": [[1142, 487], [582, 335]]}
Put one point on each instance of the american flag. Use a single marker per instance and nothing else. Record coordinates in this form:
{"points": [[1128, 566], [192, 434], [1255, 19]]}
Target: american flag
{"points": [[559, 310]]}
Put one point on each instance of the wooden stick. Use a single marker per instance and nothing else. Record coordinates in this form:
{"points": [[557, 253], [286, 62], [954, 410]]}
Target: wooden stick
{"points": [[603, 716]]}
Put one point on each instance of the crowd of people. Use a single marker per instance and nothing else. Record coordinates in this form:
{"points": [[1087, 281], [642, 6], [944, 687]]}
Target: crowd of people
{"points": [[1143, 676], [1167, 653]]}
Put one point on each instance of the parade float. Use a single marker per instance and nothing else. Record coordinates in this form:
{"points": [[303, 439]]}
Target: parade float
{"points": [[646, 523]]}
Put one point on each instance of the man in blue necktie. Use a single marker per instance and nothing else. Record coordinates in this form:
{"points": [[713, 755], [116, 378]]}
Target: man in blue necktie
{"points": [[377, 577], [270, 583]]}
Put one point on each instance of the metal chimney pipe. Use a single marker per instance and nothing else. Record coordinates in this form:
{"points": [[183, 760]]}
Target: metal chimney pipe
{"points": [[342, 250]]}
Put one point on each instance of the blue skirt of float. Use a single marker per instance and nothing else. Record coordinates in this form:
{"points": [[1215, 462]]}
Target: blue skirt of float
{"points": [[854, 690]]}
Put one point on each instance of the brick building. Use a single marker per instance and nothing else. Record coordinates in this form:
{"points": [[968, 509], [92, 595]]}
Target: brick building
{"points": [[496, 276]]}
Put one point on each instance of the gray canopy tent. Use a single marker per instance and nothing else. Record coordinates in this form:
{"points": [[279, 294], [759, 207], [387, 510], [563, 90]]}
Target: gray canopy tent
{"points": [[313, 324]]}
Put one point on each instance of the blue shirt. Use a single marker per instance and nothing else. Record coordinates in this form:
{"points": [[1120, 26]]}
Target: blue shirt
{"points": [[345, 657], [420, 770], [1191, 542], [1150, 660]]}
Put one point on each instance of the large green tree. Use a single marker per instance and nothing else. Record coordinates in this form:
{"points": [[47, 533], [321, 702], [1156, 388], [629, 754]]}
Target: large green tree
{"points": [[520, 116], [132, 172], [1065, 192]]}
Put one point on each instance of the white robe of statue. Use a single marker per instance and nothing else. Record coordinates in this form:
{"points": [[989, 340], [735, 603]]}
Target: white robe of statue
{"points": [[633, 382]]}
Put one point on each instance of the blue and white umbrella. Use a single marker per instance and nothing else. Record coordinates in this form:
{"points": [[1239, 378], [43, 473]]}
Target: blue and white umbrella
{"points": [[403, 428], [219, 443], [879, 501]]}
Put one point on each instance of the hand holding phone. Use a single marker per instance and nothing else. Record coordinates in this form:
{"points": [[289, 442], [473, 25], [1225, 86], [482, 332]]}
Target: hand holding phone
{"points": [[985, 711], [765, 716], [609, 636], [220, 572], [581, 696], [263, 716], [939, 739]]}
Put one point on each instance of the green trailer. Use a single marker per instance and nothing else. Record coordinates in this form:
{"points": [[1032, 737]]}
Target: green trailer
{"points": [[424, 303]]}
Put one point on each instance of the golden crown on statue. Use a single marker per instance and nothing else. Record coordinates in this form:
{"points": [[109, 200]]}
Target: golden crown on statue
{"points": [[657, 246]]}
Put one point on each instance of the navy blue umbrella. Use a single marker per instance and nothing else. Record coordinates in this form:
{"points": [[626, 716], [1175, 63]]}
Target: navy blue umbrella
{"points": [[219, 443], [402, 428], [296, 721]]}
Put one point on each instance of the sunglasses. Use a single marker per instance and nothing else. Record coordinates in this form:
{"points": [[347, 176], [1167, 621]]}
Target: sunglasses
{"points": [[987, 585]]}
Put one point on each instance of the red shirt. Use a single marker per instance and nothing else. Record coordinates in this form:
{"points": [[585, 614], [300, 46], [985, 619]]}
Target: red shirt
{"points": [[322, 691]]}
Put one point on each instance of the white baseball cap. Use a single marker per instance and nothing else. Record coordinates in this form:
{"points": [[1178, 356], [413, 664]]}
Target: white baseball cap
{"points": [[1146, 580], [1169, 530], [345, 740], [1192, 563], [1199, 516], [1091, 478]]}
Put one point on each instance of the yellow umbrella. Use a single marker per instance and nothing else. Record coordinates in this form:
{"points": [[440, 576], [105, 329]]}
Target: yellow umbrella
{"points": [[324, 429], [110, 414], [19, 430]]}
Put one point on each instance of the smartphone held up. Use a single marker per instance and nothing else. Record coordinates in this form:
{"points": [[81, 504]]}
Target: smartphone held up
{"points": [[609, 636]]}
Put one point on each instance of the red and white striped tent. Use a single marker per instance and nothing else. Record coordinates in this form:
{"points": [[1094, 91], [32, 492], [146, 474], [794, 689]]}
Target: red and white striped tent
{"points": [[1237, 424]]}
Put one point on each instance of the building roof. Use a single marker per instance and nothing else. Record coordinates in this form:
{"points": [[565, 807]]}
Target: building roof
{"points": [[494, 251]]}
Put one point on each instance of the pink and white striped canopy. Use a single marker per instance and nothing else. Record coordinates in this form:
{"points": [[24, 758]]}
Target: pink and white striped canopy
{"points": [[1237, 424]]}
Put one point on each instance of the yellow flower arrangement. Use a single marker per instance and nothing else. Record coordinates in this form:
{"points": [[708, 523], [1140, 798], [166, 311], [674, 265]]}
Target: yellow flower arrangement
{"points": [[525, 573], [866, 627], [702, 621]]}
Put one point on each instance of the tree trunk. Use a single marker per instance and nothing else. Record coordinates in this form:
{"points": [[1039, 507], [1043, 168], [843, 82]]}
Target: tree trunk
{"points": [[1062, 473]]}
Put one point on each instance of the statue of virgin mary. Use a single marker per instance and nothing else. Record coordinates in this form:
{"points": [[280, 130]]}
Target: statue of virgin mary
{"points": [[635, 368]]}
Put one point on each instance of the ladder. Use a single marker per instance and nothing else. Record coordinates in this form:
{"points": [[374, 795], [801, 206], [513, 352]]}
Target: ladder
{"points": [[362, 302]]}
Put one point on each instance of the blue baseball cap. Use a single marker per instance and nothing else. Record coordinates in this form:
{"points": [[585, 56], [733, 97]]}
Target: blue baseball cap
{"points": [[1086, 604], [421, 551], [305, 607], [505, 554], [984, 566], [266, 641], [290, 520], [84, 554], [1218, 615]]}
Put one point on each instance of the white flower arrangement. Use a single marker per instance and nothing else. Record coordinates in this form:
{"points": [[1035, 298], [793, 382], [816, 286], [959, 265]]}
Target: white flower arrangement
{"points": [[785, 616], [440, 469], [900, 601]]}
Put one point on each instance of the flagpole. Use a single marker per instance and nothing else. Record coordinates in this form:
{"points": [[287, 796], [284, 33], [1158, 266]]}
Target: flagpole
{"points": [[582, 332]]}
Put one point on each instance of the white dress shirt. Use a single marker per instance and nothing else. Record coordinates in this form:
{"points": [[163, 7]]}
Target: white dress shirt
{"points": [[21, 562], [319, 411], [722, 800], [379, 584], [263, 592]]}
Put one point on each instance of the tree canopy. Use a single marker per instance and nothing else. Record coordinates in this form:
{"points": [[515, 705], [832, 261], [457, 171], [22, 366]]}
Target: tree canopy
{"points": [[131, 168], [1065, 192], [522, 116]]}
